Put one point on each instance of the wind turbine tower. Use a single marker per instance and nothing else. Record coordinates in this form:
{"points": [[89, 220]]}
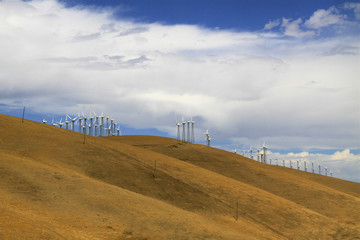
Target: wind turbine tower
{"points": [[80, 122], [91, 124], [305, 168], [251, 153], [319, 169], [325, 171], [207, 137], [264, 153], [312, 167], [85, 124], [183, 124], [192, 131], [290, 163], [67, 122], [178, 125], [102, 124], [188, 131]]}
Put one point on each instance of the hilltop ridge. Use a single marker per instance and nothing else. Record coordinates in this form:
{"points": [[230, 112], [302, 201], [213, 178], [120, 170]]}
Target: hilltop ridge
{"points": [[59, 184]]}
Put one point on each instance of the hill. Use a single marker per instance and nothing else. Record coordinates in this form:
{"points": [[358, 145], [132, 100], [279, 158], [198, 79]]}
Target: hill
{"points": [[56, 184]]}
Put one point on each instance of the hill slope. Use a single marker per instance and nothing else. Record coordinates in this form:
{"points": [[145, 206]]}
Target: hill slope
{"points": [[53, 186]]}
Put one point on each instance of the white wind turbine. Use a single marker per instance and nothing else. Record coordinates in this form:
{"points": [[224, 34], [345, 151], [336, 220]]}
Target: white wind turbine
{"points": [[43, 119], [67, 122], [192, 131], [60, 123], [118, 131], [264, 152], [178, 125], [290, 163], [183, 124], [235, 150], [96, 123], [107, 125], [251, 153], [243, 152], [54, 124], [207, 137], [73, 122], [319, 169], [305, 167], [91, 124], [80, 123], [312, 167], [188, 131], [85, 124], [326, 171], [102, 124]]}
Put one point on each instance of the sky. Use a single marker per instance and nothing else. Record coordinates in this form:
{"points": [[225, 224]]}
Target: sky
{"points": [[280, 72]]}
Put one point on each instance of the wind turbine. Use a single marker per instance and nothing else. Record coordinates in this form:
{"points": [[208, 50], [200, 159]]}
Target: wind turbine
{"points": [[312, 167], [183, 124], [207, 137], [178, 125], [283, 163], [319, 169], [85, 124], [73, 122], [80, 119], [102, 124], [243, 152], [258, 155], [297, 164], [290, 164], [67, 122], [325, 171], [61, 123], [305, 168], [54, 124], [264, 152], [90, 128], [235, 150], [107, 125], [331, 173], [188, 131], [96, 123], [192, 131], [91, 124], [251, 153], [43, 119], [118, 131]]}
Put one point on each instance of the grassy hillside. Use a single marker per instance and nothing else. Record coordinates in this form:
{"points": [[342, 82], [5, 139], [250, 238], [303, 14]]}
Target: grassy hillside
{"points": [[56, 184]]}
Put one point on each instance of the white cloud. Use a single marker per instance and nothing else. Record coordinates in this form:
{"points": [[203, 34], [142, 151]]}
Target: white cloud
{"points": [[292, 28], [323, 18], [272, 24], [291, 92], [355, 7]]}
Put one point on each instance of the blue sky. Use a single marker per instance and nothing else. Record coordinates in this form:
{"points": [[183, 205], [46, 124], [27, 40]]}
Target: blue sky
{"points": [[247, 15], [283, 72]]}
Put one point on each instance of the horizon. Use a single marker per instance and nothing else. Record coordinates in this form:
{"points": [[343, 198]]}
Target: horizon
{"points": [[279, 72]]}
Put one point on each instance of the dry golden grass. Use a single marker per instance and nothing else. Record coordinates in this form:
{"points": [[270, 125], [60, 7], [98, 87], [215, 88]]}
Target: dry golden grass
{"points": [[53, 186]]}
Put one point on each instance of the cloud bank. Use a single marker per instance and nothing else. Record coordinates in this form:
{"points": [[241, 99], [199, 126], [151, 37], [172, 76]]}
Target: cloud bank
{"points": [[292, 84]]}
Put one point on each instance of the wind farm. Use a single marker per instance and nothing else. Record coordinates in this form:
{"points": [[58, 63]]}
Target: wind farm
{"points": [[56, 186]]}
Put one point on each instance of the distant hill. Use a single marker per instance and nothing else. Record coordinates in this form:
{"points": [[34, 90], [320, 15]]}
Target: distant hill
{"points": [[55, 186]]}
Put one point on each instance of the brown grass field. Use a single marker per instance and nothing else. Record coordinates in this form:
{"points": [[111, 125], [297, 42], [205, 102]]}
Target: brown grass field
{"points": [[53, 186]]}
